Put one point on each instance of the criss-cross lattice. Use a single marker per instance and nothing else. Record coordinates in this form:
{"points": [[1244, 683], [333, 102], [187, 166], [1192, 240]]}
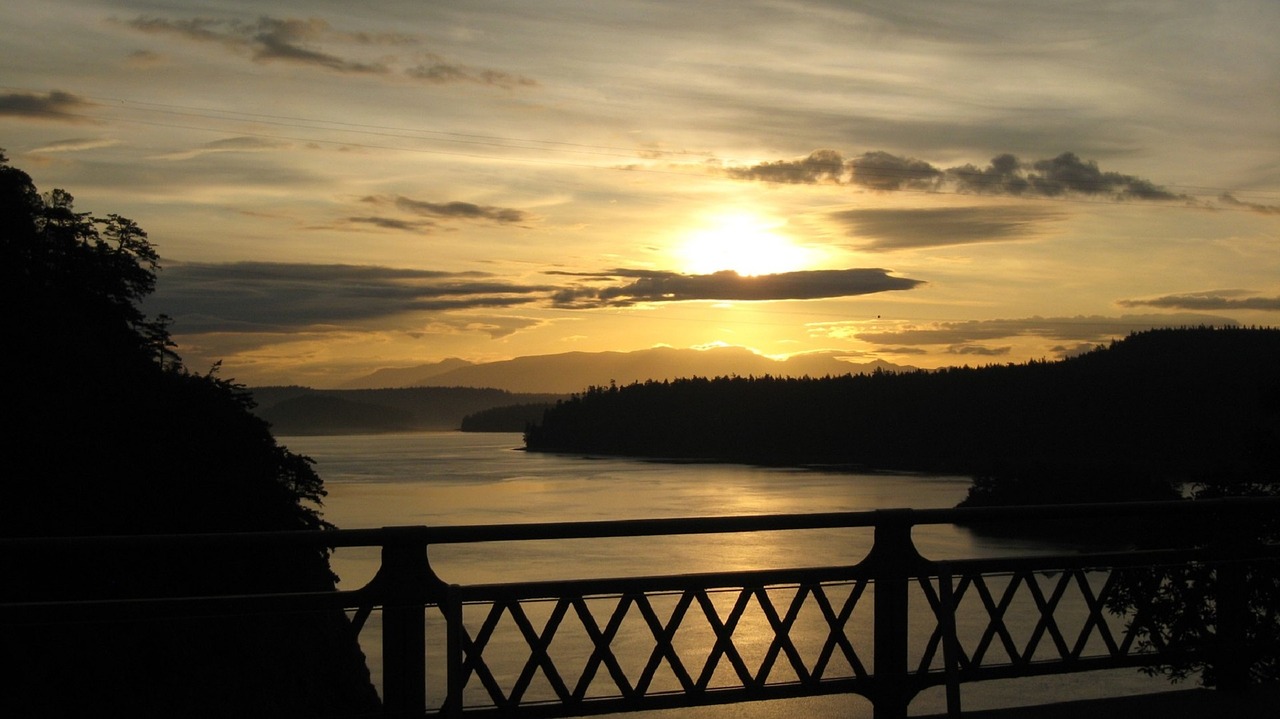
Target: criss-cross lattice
{"points": [[1045, 593], [695, 669]]}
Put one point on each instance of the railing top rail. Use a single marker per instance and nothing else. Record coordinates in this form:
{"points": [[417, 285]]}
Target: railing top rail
{"points": [[476, 533]]}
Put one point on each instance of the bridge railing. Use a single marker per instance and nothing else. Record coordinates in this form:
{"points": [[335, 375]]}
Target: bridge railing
{"points": [[885, 627]]}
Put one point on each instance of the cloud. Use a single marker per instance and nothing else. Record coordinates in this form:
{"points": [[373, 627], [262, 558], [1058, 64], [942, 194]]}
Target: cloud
{"points": [[1006, 175], [437, 71], [230, 144], [452, 210], [391, 223], [979, 350], [144, 59], [297, 41], [1230, 200], [53, 105], [1080, 328], [76, 144], [657, 286], [281, 297], [1067, 173], [267, 39], [1209, 300], [885, 172], [894, 229], [1003, 176], [819, 166]]}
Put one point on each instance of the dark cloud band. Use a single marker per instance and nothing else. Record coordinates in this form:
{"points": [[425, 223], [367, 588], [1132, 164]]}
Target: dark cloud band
{"points": [[450, 210], [895, 229], [1004, 175], [292, 40], [730, 286], [1081, 328], [279, 297], [1207, 301], [54, 105]]}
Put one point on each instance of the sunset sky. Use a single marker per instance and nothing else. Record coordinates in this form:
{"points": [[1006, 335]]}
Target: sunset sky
{"points": [[337, 187]]}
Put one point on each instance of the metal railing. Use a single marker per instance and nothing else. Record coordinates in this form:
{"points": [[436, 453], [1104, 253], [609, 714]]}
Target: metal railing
{"points": [[885, 627]]}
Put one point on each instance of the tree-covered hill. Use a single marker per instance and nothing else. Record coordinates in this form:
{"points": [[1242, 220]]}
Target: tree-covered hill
{"points": [[1158, 407], [107, 433]]}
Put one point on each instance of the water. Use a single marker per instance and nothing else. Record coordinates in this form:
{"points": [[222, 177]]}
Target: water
{"points": [[451, 478]]}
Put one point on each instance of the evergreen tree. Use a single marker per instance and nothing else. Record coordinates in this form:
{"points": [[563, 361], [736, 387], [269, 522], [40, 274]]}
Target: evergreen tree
{"points": [[108, 433]]}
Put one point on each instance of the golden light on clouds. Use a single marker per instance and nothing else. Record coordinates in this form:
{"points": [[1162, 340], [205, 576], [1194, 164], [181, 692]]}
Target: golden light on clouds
{"points": [[743, 242], [333, 192]]}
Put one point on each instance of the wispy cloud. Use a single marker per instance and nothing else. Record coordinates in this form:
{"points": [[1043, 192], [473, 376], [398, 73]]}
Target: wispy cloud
{"points": [[1081, 328], [230, 144], [449, 210], [463, 210], [979, 350], [54, 105], [436, 70], [266, 39], [392, 223], [77, 144], [144, 59], [657, 286], [299, 42], [894, 229], [263, 297], [1209, 300], [281, 297], [1230, 200]]}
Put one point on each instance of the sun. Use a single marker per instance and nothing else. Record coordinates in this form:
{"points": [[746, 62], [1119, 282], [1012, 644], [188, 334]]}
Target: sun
{"points": [[742, 242]]}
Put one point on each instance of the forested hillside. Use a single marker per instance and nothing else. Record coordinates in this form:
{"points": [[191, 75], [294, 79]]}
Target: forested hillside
{"points": [[108, 433], [1161, 406]]}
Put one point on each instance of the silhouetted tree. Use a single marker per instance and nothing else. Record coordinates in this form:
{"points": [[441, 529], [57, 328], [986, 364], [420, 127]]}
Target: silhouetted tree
{"points": [[107, 433], [1181, 606]]}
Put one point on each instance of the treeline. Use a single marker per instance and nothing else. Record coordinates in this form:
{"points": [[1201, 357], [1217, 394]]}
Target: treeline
{"points": [[108, 433], [1159, 407]]}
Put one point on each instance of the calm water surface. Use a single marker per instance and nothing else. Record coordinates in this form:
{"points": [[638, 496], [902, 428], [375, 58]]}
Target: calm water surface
{"points": [[452, 478]]}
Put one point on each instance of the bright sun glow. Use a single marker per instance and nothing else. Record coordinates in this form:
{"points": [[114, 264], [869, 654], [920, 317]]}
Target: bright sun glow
{"points": [[741, 242]]}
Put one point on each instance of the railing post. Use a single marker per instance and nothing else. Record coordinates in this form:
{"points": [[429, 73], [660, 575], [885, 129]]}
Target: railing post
{"points": [[454, 677], [892, 557], [1230, 656], [406, 581], [950, 642]]}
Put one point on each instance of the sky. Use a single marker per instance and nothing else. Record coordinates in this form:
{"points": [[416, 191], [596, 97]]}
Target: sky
{"points": [[339, 187]]}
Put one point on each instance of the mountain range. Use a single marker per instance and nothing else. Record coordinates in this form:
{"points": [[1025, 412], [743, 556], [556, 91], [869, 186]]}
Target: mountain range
{"points": [[572, 372]]}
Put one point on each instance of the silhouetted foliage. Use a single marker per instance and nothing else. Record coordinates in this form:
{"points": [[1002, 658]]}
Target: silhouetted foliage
{"points": [[109, 434], [1182, 605]]}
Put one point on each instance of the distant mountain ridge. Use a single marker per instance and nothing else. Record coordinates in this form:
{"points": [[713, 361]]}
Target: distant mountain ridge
{"points": [[303, 410], [571, 372]]}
